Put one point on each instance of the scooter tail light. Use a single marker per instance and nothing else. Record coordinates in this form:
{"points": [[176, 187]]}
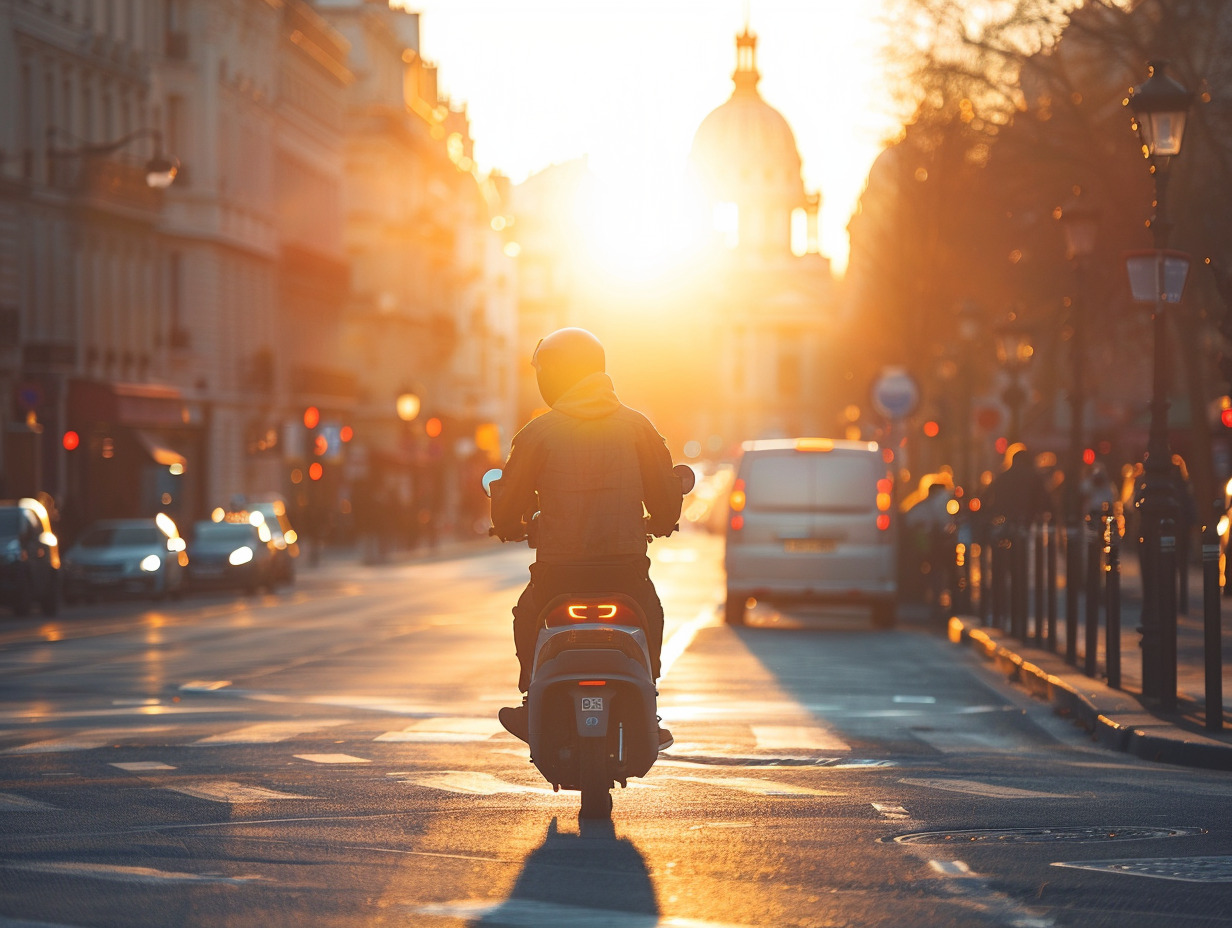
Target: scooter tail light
{"points": [[592, 683]]}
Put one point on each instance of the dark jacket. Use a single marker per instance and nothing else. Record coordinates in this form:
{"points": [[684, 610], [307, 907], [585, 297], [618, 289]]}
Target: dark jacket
{"points": [[588, 466]]}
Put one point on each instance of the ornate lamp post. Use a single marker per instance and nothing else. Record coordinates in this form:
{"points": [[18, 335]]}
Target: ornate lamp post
{"points": [[1160, 106], [1014, 352], [1080, 223]]}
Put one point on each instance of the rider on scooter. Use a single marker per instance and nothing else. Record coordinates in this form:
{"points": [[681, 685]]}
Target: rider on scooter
{"points": [[588, 466]]}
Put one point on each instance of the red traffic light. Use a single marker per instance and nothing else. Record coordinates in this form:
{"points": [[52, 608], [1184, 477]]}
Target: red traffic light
{"points": [[71, 440], [312, 417], [932, 428], [1226, 418], [315, 470]]}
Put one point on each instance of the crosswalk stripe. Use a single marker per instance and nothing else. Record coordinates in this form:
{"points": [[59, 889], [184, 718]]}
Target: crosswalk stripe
{"points": [[86, 740], [758, 787], [788, 737], [333, 759], [446, 730], [480, 784], [123, 874], [138, 765], [271, 732], [10, 802], [228, 792], [988, 790]]}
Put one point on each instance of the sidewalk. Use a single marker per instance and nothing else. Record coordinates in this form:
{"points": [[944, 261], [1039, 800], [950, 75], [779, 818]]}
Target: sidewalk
{"points": [[1119, 719]]}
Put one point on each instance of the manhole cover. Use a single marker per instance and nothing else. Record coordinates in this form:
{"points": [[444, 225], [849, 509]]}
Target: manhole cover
{"points": [[1077, 834], [1183, 869], [730, 760]]}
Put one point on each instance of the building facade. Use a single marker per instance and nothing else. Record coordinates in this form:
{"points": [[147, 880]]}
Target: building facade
{"points": [[158, 348]]}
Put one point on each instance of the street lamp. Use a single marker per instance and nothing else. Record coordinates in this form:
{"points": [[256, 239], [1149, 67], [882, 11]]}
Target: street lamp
{"points": [[1014, 352], [160, 170], [407, 406], [1080, 223], [1160, 106]]}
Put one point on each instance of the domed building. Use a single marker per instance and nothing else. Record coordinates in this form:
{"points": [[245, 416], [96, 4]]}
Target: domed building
{"points": [[744, 156], [773, 294]]}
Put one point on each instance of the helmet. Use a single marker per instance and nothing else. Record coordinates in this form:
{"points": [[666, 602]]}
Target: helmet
{"points": [[563, 358]]}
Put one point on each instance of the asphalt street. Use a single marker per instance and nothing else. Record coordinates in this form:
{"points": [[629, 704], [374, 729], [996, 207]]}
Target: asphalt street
{"points": [[329, 755]]}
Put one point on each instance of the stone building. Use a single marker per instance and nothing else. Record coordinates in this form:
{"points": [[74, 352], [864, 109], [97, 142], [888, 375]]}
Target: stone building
{"points": [[180, 334]]}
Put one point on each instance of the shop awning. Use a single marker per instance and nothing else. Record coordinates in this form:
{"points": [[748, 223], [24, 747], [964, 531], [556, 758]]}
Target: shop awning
{"points": [[159, 451]]}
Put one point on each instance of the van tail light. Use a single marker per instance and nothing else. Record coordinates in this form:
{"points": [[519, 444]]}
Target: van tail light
{"points": [[885, 501], [737, 499]]}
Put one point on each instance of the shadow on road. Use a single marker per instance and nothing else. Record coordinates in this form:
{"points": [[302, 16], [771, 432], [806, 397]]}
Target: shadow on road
{"points": [[570, 876]]}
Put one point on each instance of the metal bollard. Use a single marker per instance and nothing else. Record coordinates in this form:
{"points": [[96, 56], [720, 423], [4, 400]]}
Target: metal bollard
{"points": [[1073, 567], [1167, 615], [1054, 536], [1019, 592], [1037, 630], [1112, 600], [1095, 550], [1211, 627]]}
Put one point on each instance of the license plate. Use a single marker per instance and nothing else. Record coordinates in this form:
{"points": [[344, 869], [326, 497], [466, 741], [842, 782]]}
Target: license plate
{"points": [[807, 545], [592, 703]]}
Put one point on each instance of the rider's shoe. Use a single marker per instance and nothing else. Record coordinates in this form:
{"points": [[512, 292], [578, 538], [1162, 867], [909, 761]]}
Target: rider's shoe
{"points": [[665, 739], [516, 721]]}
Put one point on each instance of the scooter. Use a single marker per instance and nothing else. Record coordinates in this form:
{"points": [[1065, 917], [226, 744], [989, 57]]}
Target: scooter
{"points": [[592, 703]]}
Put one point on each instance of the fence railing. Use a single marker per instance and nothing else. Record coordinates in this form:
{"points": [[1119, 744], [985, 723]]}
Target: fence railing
{"points": [[1009, 579]]}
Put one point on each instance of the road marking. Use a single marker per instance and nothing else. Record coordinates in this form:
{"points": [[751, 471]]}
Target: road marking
{"points": [[758, 787], [530, 913], [271, 732], [891, 811], [135, 765], [333, 759], [1180, 869], [680, 640], [920, 700], [204, 686], [953, 868], [121, 874], [82, 741], [477, 784], [9, 802], [232, 793], [446, 730], [787, 737], [952, 742], [987, 790]]}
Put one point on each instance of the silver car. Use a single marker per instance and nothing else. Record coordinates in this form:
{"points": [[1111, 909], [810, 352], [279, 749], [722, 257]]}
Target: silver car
{"points": [[810, 520], [143, 556]]}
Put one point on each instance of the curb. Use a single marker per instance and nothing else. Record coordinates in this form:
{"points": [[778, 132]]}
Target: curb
{"points": [[1115, 719]]}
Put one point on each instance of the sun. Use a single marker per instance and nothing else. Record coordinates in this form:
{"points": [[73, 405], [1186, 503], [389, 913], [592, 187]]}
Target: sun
{"points": [[638, 226]]}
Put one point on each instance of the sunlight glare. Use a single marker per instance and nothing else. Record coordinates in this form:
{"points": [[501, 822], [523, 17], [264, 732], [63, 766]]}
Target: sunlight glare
{"points": [[637, 226]]}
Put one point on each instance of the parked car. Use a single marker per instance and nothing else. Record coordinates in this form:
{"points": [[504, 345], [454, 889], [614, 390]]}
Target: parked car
{"points": [[231, 553], [809, 519], [143, 556], [29, 557], [286, 540]]}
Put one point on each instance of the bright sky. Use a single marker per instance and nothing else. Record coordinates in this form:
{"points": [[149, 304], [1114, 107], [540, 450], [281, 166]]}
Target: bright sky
{"points": [[628, 84]]}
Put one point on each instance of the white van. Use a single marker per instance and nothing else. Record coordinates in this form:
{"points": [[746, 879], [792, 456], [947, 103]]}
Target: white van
{"points": [[810, 520]]}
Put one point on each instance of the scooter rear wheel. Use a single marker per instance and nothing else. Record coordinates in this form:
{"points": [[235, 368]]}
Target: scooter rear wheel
{"points": [[595, 782]]}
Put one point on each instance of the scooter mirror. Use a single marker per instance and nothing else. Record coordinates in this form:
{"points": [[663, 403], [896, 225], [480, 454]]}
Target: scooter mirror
{"points": [[688, 479], [490, 478]]}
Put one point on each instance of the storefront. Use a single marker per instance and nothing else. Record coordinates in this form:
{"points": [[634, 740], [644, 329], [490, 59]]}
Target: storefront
{"points": [[138, 451]]}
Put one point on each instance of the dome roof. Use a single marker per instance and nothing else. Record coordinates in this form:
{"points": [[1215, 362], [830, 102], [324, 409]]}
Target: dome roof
{"points": [[746, 143]]}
